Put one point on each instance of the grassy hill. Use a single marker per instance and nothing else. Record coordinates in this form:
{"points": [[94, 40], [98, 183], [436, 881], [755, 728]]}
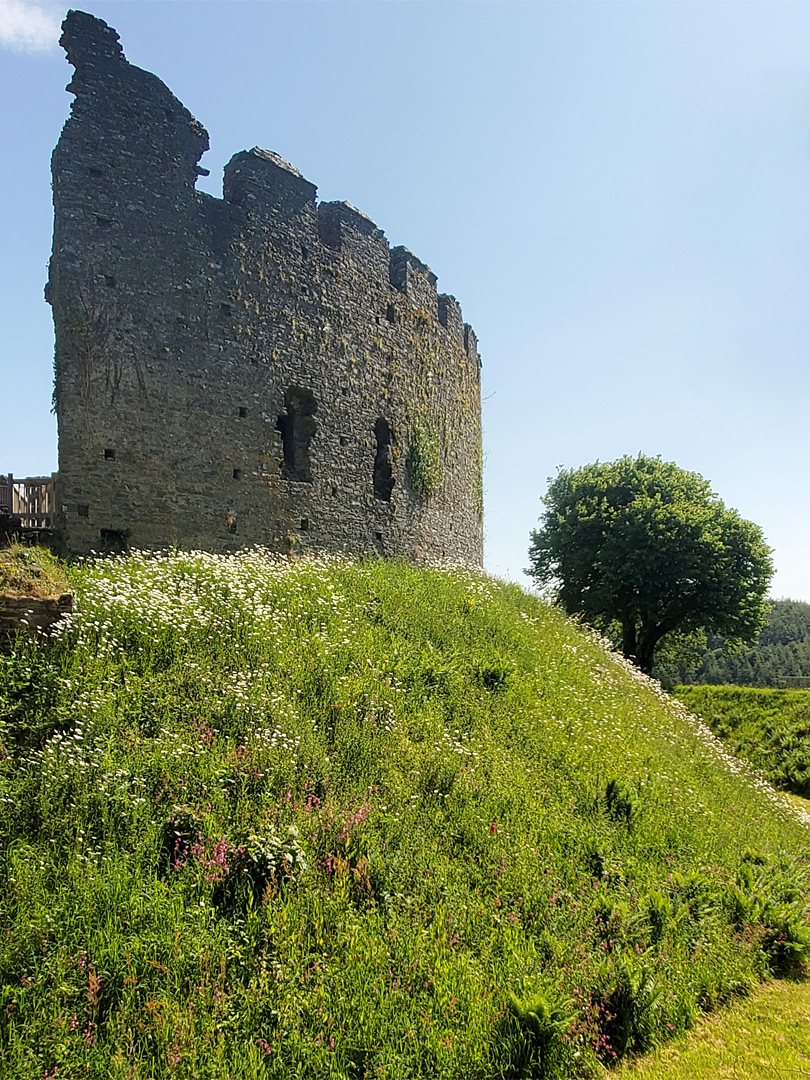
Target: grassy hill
{"points": [[769, 728], [270, 818], [31, 571]]}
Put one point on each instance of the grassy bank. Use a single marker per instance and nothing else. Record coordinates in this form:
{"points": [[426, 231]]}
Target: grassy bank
{"points": [[31, 571], [769, 728], [763, 1036], [272, 819]]}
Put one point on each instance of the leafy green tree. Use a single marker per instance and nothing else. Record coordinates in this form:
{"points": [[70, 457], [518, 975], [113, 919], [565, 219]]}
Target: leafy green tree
{"points": [[780, 651], [647, 545]]}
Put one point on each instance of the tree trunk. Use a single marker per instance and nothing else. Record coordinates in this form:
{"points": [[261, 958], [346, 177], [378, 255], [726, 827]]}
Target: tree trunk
{"points": [[648, 639], [639, 643], [629, 639]]}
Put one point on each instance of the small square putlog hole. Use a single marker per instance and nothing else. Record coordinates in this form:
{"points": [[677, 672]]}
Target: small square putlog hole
{"points": [[237, 474], [83, 510], [304, 525], [109, 454], [242, 412]]}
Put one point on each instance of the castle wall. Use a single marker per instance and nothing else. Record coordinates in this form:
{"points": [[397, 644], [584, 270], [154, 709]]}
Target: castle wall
{"points": [[259, 368]]}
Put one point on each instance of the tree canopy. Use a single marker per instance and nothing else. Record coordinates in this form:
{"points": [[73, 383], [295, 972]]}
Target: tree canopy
{"points": [[778, 656], [646, 545]]}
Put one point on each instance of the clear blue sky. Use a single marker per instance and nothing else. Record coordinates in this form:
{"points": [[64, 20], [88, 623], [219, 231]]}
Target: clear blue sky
{"points": [[617, 193]]}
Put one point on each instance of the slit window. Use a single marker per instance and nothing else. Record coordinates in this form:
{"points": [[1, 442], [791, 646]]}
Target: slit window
{"points": [[383, 461], [297, 427]]}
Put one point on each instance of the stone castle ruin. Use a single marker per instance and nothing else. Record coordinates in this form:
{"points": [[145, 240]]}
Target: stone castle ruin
{"points": [[259, 368]]}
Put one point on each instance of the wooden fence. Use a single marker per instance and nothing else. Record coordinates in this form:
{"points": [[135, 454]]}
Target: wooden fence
{"points": [[793, 682], [30, 499]]}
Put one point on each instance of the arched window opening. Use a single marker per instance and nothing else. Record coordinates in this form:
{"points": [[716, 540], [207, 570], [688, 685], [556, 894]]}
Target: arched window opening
{"points": [[383, 461], [297, 427]]}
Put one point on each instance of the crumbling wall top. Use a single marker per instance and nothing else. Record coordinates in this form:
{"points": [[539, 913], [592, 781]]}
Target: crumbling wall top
{"points": [[256, 368], [88, 40]]}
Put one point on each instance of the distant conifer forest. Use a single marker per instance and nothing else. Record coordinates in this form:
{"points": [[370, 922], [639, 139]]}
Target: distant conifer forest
{"points": [[779, 655]]}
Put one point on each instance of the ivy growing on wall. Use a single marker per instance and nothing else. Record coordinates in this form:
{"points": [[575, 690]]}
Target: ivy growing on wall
{"points": [[424, 460], [478, 480]]}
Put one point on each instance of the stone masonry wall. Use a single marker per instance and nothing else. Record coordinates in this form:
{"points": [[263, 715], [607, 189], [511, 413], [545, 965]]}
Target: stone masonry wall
{"points": [[259, 368]]}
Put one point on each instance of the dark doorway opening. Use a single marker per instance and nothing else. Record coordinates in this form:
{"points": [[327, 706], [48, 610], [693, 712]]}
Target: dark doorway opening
{"points": [[383, 461], [297, 427]]}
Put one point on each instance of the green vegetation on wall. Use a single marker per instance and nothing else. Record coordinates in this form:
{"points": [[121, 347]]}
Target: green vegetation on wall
{"points": [[31, 571], [269, 818], [424, 459]]}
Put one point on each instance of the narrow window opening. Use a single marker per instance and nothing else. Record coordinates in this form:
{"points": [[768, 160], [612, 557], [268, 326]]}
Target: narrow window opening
{"points": [[109, 454], [242, 412], [83, 510], [297, 427], [391, 313], [304, 524], [383, 461], [379, 544], [109, 281], [237, 474]]}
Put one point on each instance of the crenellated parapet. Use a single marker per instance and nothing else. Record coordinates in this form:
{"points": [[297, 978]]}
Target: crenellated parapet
{"points": [[260, 368]]}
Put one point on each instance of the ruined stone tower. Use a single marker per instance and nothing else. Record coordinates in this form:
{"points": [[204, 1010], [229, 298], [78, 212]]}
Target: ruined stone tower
{"points": [[259, 368]]}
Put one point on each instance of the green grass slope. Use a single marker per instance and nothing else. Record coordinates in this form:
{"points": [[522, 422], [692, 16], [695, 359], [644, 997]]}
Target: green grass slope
{"points": [[769, 728], [31, 571], [267, 818]]}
